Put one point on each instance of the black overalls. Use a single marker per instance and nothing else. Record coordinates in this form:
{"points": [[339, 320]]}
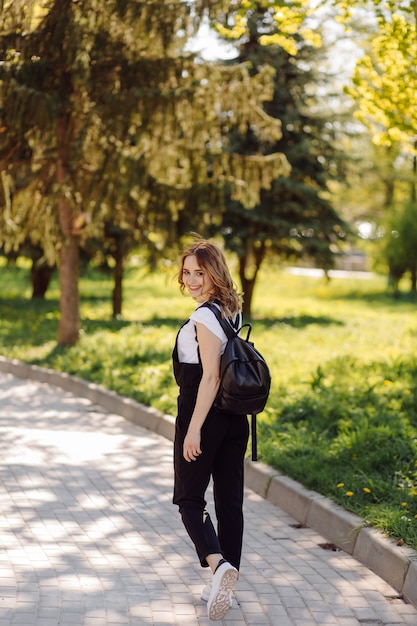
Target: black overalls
{"points": [[224, 438]]}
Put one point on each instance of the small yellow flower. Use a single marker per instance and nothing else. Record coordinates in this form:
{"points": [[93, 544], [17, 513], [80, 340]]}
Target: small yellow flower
{"points": [[388, 382], [367, 490], [349, 493], [403, 503], [340, 485]]}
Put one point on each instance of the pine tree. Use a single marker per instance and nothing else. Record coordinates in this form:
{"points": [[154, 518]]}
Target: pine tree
{"points": [[295, 217]]}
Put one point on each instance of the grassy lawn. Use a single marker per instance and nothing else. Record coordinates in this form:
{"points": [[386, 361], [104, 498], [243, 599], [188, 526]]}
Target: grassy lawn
{"points": [[342, 416]]}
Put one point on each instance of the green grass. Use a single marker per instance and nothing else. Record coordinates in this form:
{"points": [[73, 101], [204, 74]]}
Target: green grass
{"points": [[342, 415]]}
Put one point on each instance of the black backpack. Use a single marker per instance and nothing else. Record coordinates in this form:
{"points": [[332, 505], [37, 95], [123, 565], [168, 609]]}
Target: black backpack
{"points": [[245, 379]]}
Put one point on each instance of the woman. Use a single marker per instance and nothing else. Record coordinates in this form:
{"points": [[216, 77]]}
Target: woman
{"points": [[208, 443]]}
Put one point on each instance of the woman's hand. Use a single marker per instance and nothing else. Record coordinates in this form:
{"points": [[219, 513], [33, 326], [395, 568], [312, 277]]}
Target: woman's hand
{"points": [[191, 447]]}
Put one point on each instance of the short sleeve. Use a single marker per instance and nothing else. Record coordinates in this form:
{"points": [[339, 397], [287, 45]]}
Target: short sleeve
{"points": [[203, 315]]}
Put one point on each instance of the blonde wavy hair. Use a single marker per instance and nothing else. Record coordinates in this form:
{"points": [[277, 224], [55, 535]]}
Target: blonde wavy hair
{"points": [[212, 259]]}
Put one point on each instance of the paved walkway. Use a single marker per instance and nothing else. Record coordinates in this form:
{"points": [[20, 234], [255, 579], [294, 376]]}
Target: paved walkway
{"points": [[89, 537]]}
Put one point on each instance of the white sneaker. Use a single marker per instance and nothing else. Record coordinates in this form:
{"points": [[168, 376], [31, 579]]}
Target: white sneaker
{"points": [[205, 594], [224, 579]]}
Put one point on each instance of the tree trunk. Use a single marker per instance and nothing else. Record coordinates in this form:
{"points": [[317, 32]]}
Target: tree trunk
{"points": [[248, 285], [41, 277], [69, 323], [257, 254], [413, 280], [118, 279]]}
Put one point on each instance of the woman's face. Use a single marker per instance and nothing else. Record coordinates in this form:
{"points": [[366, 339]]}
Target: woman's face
{"points": [[196, 279]]}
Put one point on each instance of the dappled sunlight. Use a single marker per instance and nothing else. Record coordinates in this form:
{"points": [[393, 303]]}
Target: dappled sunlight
{"points": [[88, 529], [75, 448], [82, 511]]}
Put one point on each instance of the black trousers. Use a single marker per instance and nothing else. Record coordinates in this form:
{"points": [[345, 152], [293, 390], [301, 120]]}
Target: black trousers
{"points": [[224, 439]]}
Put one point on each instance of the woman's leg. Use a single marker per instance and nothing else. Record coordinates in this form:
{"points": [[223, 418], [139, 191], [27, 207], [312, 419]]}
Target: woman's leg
{"points": [[190, 484], [228, 487]]}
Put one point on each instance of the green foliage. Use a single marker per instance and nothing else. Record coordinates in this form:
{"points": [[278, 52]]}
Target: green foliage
{"points": [[357, 422], [102, 103], [382, 90], [384, 82], [399, 245], [108, 125], [353, 437], [132, 359], [294, 217], [288, 20], [342, 416]]}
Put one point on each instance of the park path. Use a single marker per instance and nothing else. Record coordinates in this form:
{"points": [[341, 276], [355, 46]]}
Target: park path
{"points": [[89, 537]]}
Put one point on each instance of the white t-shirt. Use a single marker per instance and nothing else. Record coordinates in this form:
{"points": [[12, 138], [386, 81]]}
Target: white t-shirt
{"points": [[187, 338]]}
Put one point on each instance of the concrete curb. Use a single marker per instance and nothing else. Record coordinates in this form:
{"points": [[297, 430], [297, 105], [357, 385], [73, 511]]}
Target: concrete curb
{"points": [[397, 565]]}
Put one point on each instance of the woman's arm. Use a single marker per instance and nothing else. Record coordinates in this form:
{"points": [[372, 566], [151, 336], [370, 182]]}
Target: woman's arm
{"points": [[209, 345]]}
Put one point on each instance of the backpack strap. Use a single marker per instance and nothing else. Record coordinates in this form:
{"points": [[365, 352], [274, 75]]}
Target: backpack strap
{"points": [[254, 437], [225, 324], [229, 330]]}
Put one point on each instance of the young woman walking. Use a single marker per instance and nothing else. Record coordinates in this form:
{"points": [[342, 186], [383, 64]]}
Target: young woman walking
{"points": [[208, 443]]}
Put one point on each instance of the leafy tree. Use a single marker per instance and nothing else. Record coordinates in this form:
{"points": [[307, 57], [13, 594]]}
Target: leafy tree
{"points": [[285, 23], [100, 105], [385, 78], [384, 83], [384, 88]]}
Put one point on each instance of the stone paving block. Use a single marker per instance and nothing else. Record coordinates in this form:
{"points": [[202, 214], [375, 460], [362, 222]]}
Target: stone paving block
{"points": [[384, 558], [290, 496], [338, 525], [166, 427], [408, 618], [410, 584], [17, 368], [255, 619], [76, 386], [258, 477]]}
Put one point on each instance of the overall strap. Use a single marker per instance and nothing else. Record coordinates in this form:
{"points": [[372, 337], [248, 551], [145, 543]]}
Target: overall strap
{"points": [[175, 350]]}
